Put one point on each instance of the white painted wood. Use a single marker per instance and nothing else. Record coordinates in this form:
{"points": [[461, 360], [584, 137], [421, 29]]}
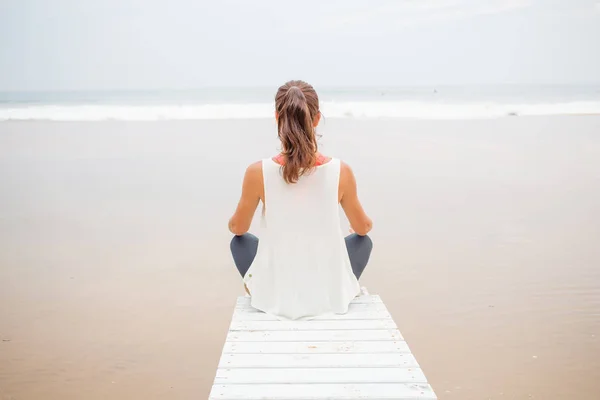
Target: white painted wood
{"points": [[311, 325], [374, 347], [319, 375], [358, 355], [361, 391], [351, 308], [247, 315], [317, 360], [313, 336], [368, 299]]}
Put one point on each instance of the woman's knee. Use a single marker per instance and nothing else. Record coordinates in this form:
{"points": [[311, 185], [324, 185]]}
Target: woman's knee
{"points": [[243, 250], [367, 242], [359, 243], [235, 242], [247, 240], [244, 245]]}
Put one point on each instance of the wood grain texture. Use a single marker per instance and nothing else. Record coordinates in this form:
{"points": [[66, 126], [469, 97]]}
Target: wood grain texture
{"points": [[369, 299], [246, 307], [357, 355], [314, 336], [322, 391], [325, 347], [366, 313], [317, 360], [312, 325], [319, 375]]}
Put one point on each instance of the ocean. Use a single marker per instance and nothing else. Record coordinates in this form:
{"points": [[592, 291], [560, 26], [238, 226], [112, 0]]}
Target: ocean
{"points": [[116, 280], [420, 102]]}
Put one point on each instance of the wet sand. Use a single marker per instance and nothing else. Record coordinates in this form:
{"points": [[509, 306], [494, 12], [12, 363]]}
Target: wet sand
{"points": [[116, 281]]}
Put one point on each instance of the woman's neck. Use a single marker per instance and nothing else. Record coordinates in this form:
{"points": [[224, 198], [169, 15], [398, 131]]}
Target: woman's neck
{"points": [[320, 160]]}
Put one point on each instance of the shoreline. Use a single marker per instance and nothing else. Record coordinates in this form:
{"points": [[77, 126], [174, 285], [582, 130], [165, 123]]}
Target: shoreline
{"points": [[387, 119]]}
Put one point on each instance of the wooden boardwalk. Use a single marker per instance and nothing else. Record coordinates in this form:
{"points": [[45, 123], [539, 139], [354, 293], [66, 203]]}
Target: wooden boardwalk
{"points": [[359, 355]]}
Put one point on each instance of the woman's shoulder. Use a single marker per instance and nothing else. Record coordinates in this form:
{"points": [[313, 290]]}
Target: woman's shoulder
{"points": [[344, 166], [255, 166], [253, 180], [254, 172], [346, 173]]}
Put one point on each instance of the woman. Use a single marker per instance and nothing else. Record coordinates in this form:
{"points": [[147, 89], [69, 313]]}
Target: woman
{"points": [[302, 266]]}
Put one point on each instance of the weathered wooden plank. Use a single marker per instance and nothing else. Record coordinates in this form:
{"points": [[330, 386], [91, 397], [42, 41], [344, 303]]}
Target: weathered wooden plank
{"points": [[316, 347], [311, 325], [358, 355], [351, 308], [314, 336], [243, 315], [319, 375], [341, 360], [387, 391], [357, 300]]}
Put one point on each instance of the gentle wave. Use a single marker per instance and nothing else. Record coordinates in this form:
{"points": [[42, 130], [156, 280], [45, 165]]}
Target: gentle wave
{"points": [[399, 109]]}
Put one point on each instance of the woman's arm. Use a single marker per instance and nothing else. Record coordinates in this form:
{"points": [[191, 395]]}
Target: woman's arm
{"points": [[252, 193], [348, 195]]}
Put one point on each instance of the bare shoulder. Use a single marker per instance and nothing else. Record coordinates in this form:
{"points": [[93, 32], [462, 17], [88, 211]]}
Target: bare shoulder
{"points": [[346, 173], [254, 169], [253, 179], [347, 184], [345, 167]]}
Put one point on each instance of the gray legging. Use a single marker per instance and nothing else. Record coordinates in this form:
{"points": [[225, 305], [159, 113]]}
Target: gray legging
{"points": [[243, 249]]}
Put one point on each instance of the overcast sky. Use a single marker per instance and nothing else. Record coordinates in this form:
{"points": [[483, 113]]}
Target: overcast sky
{"points": [[147, 44]]}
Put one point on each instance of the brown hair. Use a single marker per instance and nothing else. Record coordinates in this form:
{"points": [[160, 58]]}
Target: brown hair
{"points": [[297, 106]]}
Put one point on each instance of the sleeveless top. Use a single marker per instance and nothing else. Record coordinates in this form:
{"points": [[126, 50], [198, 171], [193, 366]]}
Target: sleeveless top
{"points": [[301, 269]]}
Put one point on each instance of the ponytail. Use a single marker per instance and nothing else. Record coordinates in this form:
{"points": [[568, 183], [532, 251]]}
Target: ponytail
{"points": [[295, 128]]}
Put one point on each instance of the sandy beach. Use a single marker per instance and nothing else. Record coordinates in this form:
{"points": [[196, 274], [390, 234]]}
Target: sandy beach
{"points": [[116, 280]]}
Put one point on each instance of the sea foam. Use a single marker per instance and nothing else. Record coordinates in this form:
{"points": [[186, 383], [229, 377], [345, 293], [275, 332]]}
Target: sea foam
{"points": [[341, 109]]}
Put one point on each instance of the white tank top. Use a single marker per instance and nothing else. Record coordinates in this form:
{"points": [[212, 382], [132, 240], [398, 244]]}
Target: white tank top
{"points": [[301, 269]]}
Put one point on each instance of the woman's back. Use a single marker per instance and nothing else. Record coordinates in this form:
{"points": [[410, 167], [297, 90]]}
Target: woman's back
{"points": [[301, 268]]}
